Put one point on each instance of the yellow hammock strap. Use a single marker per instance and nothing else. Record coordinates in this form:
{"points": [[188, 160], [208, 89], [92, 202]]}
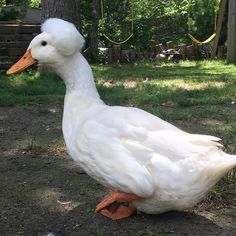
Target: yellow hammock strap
{"points": [[116, 42], [204, 42], [132, 25]]}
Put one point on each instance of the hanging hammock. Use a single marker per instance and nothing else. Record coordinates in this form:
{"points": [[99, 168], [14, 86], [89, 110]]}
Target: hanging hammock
{"points": [[132, 25], [199, 43], [194, 40]]}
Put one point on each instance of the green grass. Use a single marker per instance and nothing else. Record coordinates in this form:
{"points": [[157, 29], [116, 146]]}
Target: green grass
{"points": [[30, 88], [154, 232], [185, 84], [172, 91], [233, 128]]}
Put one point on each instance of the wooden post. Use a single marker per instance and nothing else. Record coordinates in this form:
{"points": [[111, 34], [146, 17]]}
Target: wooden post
{"points": [[218, 26], [157, 49], [231, 46], [125, 56], [110, 57], [161, 46], [183, 50], [220, 52], [117, 53], [169, 44], [132, 55], [192, 52]]}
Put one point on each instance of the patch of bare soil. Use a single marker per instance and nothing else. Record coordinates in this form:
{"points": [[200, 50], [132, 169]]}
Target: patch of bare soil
{"points": [[42, 191]]}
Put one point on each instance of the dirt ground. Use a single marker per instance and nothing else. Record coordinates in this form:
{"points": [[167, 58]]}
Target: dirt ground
{"points": [[42, 191]]}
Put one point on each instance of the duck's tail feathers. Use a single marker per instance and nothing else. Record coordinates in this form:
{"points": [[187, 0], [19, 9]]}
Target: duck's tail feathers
{"points": [[220, 166], [232, 160], [205, 140], [227, 163]]}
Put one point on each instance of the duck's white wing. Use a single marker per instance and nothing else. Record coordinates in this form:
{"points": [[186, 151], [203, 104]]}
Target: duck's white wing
{"points": [[122, 142]]}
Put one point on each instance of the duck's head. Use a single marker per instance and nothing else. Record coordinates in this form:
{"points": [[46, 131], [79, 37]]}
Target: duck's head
{"points": [[59, 40]]}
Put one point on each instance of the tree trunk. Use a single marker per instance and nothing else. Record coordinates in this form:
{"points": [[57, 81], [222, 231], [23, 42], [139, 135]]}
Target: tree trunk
{"points": [[68, 10], [92, 51], [218, 27], [231, 46]]}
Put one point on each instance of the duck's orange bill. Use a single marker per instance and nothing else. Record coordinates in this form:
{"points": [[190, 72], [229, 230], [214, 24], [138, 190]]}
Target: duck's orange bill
{"points": [[26, 61]]}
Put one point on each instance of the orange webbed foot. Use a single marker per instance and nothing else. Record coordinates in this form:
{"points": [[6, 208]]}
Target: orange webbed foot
{"points": [[116, 205]]}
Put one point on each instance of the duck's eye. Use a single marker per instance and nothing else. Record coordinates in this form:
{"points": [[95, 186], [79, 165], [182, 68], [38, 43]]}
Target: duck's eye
{"points": [[43, 43]]}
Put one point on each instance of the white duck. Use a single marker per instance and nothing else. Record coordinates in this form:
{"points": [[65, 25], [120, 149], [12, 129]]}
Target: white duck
{"points": [[150, 164]]}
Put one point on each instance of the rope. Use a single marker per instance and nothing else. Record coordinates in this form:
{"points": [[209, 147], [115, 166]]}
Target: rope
{"points": [[132, 25]]}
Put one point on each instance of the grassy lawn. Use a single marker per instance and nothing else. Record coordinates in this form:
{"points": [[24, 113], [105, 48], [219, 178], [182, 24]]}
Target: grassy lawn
{"points": [[187, 83], [157, 89], [172, 91], [184, 91]]}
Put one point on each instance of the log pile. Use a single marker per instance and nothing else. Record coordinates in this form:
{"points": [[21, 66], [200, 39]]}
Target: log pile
{"points": [[158, 52]]}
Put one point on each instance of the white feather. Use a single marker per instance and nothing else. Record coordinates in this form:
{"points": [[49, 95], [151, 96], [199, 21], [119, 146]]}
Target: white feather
{"points": [[65, 36]]}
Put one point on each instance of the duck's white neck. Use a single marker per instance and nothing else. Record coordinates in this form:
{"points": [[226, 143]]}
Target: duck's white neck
{"points": [[78, 77]]}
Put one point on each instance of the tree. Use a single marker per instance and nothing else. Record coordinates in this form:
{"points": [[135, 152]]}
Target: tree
{"points": [[231, 46], [93, 32], [67, 10]]}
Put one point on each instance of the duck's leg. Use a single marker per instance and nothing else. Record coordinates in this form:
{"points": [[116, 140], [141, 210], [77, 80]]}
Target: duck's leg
{"points": [[113, 206]]}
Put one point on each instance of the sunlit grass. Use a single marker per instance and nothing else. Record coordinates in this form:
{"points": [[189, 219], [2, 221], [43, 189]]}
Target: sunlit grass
{"points": [[30, 88], [152, 87], [186, 84]]}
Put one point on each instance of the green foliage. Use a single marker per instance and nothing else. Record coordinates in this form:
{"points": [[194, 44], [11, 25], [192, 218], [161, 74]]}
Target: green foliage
{"points": [[22, 3], [16, 12], [2, 3], [154, 21], [117, 21], [10, 14], [202, 16], [34, 3]]}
